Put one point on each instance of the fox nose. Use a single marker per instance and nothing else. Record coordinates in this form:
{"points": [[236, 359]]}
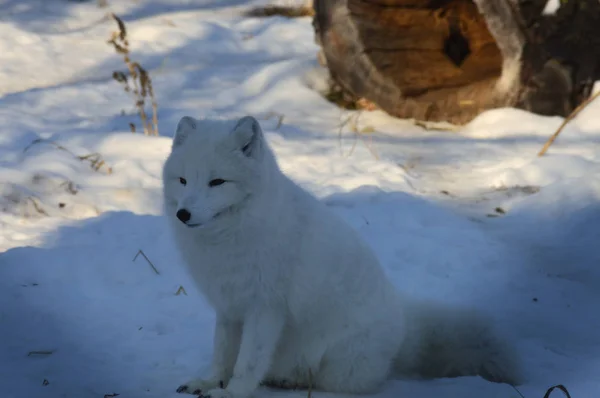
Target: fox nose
{"points": [[183, 215]]}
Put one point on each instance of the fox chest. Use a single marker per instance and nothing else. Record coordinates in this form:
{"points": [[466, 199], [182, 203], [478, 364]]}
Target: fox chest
{"points": [[234, 283]]}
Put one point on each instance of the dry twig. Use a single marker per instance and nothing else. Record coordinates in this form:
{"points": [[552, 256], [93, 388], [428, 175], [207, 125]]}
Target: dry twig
{"points": [[95, 159], [517, 390], [37, 206], [559, 387], [279, 117], [566, 121], [181, 290], [33, 353], [147, 259], [352, 120], [284, 11]]}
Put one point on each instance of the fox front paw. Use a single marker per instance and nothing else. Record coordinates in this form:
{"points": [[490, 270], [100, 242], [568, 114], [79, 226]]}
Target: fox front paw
{"points": [[199, 386], [220, 393]]}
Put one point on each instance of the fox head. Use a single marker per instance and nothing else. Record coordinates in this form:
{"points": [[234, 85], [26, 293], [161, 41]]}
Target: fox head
{"points": [[214, 169]]}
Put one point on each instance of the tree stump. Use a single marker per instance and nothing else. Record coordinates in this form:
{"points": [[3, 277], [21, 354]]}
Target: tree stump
{"points": [[449, 60]]}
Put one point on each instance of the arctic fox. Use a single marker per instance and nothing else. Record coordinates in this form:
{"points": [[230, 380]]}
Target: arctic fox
{"points": [[300, 298]]}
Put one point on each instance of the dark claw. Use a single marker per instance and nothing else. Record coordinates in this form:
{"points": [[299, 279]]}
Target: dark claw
{"points": [[181, 389], [221, 384], [197, 392]]}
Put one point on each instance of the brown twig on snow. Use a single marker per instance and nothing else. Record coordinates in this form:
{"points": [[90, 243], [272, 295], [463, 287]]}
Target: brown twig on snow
{"points": [[34, 353], [147, 259], [280, 118], [180, 290], [37, 206], [358, 132], [284, 11], [95, 159], [571, 116], [517, 390], [559, 387]]}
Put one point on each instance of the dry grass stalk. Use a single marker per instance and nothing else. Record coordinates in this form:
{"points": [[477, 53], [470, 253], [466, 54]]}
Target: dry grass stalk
{"points": [[180, 291], [138, 83], [517, 390], [284, 11], [147, 259], [35, 353], [37, 206], [95, 159], [566, 121], [310, 383], [280, 117], [352, 120], [70, 187], [559, 387], [436, 126]]}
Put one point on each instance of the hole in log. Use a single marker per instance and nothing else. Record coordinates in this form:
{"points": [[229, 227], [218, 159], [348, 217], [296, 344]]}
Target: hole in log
{"points": [[423, 46], [456, 46], [431, 60]]}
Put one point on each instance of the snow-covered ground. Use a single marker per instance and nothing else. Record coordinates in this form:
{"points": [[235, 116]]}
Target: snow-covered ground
{"points": [[471, 217]]}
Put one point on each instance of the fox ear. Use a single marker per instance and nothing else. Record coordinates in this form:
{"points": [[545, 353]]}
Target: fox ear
{"points": [[248, 135], [185, 127]]}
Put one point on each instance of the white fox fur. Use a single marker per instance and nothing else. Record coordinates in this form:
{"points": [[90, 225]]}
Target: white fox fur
{"points": [[299, 296]]}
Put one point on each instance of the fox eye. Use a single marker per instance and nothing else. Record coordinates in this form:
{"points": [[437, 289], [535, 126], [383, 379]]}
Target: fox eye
{"points": [[216, 182], [183, 181]]}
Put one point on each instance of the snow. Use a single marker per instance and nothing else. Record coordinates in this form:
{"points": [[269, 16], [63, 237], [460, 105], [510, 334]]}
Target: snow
{"points": [[470, 217]]}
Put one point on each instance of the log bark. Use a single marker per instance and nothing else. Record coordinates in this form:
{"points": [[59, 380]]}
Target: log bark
{"points": [[449, 60]]}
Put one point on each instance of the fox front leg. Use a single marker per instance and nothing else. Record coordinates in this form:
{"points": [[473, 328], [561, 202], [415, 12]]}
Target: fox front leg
{"points": [[226, 340], [261, 332]]}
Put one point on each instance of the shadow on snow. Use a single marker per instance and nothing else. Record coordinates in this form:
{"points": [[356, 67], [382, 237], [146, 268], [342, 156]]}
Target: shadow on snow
{"points": [[104, 324]]}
